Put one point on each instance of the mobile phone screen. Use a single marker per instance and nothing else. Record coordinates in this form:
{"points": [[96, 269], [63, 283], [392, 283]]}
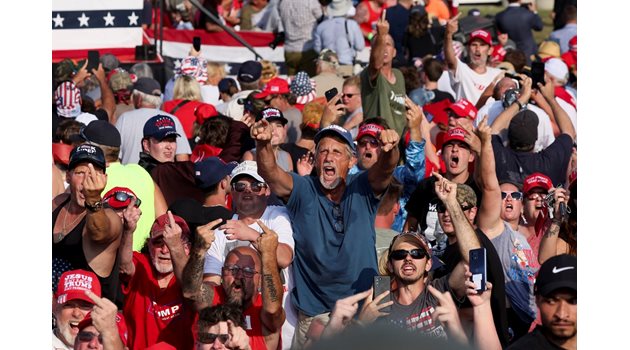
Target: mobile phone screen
{"points": [[538, 74], [93, 60], [381, 284], [197, 43], [477, 260], [331, 93]]}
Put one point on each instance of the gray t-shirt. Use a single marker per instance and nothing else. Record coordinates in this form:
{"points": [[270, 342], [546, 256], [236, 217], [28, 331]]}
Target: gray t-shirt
{"points": [[515, 255], [416, 317]]}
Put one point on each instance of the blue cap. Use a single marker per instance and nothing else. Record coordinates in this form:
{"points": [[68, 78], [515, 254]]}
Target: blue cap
{"points": [[211, 170], [337, 131], [159, 127], [87, 153], [249, 71], [225, 84]]}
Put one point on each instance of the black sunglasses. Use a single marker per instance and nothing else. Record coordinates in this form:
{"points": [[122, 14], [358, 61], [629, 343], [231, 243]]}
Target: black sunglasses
{"points": [[88, 336], [364, 141], [209, 338], [348, 95], [122, 197], [441, 208], [234, 270], [516, 195], [338, 217], [400, 254], [255, 187]]}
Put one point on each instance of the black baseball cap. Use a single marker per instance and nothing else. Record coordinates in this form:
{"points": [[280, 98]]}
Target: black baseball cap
{"points": [[557, 272], [87, 153]]}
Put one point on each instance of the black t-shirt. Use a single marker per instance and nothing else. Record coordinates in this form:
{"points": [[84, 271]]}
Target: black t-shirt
{"points": [[295, 151], [429, 44], [534, 340], [423, 199], [452, 257], [195, 214], [441, 95]]}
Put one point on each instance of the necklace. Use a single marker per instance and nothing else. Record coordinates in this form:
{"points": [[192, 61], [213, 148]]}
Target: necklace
{"points": [[58, 237]]}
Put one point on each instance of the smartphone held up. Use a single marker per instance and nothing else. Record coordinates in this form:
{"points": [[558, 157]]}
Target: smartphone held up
{"points": [[477, 261]]}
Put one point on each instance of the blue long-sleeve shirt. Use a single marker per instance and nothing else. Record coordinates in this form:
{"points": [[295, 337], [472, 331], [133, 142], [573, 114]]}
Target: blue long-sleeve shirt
{"points": [[331, 34]]}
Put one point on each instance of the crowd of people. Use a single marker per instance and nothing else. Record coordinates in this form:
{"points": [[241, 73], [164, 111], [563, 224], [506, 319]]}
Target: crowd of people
{"points": [[255, 211]]}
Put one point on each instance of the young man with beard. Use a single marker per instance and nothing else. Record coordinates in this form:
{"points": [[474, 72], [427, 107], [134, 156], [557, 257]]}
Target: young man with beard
{"points": [[470, 80], [556, 298], [155, 309], [250, 281], [332, 216], [422, 205]]}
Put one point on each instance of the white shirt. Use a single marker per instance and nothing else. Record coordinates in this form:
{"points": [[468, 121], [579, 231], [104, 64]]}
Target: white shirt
{"points": [[470, 85]]}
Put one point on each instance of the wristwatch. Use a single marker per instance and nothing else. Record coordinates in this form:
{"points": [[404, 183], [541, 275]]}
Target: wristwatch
{"points": [[94, 207]]}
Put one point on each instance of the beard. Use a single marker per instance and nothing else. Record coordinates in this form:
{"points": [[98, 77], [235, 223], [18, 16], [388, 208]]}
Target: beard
{"points": [[238, 297], [160, 266], [65, 333], [329, 185]]}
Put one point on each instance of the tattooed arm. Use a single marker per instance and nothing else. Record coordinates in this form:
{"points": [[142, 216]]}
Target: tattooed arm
{"points": [[272, 314], [550, 240], [193, 286]]}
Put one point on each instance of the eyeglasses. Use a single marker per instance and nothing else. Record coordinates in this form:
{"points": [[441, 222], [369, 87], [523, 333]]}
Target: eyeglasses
{"points": [[516, 195], [441, 208], [234, 270], [122, 197], [364, 142], [254, 187], [88, 336], [209, 338], [349, 95], [400, 254], [338, 216]]}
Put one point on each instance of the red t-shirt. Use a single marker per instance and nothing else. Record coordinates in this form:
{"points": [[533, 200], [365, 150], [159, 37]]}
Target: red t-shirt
{"points": [[154, 314], [253, 324], [190, 112]]}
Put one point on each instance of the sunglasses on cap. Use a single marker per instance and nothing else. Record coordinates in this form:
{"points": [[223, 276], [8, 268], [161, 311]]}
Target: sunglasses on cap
{"points": [[234, 270], [209, 338], [401, 254], [441, 208], [516, 195], [121, 197], [88, 336], [254, 187]]}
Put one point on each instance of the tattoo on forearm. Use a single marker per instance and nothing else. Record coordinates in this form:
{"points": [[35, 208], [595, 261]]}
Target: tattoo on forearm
{"points": [[193, 273], [271, 287], [553, 230]]}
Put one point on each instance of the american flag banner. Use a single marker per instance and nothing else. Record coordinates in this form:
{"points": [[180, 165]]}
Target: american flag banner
{"points": [[96, 24]]}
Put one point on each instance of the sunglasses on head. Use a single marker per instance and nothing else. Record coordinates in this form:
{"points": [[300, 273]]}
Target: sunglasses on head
{"points": [[234, 270], [88, 336], [400, 254], [441, 208], [516, 195], [122, 197], [209, 338], [254, 187]]}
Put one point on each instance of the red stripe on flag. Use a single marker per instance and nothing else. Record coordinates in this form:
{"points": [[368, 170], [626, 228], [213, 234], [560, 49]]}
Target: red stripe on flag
{"points": [[220, 38]]}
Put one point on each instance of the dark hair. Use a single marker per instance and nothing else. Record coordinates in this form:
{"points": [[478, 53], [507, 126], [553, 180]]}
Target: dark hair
{"points": [[390, 198], [220, 313], [68, 132], [412, 78], [214, 131], [375, 120], [517, 58], [568, 229], [432, 68], [569, 13], [418, 24]]}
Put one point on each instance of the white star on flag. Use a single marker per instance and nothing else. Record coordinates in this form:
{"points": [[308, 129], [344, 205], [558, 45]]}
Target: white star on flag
{"points": [[58, 21], [109, 19], [133, 19], [83, 20]]}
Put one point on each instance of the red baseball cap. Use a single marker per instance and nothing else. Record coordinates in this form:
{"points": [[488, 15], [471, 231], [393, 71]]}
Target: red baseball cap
{"points": [[536, 180], [438, 111], [369, 129], [73, 284], [463, 108], [159, 224], [482, 35], [120, 324], [275, 86], [455, 134], [116, 202]]}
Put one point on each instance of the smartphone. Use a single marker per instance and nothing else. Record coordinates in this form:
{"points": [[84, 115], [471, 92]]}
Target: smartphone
{"points": [[332, 93], [538, 74], [93, 60], [477, 261], [381, 284], [197, 43]]}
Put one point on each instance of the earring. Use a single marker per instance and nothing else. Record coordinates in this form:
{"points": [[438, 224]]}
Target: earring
{"points": [[523, 219]]}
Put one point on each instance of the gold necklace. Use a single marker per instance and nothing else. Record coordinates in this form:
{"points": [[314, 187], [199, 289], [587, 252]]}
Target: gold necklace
{"points": [[58, 237]]}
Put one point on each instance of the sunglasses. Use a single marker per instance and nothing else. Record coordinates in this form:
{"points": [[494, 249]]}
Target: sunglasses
{"points": [[348, 95], [209, 338], [122, 197], [338, 217], [364, 142], [516, 195], [255, 187], [441, 208], [88, 336], [234, 270], [400, 254]]}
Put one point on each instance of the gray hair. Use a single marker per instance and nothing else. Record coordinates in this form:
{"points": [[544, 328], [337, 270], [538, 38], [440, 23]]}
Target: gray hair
{"points": [[148, 99]]}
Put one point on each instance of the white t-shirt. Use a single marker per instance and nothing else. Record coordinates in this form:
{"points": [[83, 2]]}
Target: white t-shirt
{"points": [[210, 94], [470, 85], [571, 111], [545, 131], [277, 219], [57, 344]]}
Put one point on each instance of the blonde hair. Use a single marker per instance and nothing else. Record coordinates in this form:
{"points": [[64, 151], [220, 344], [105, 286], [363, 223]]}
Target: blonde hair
{"points": [[186, 88], [216, 72]]}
